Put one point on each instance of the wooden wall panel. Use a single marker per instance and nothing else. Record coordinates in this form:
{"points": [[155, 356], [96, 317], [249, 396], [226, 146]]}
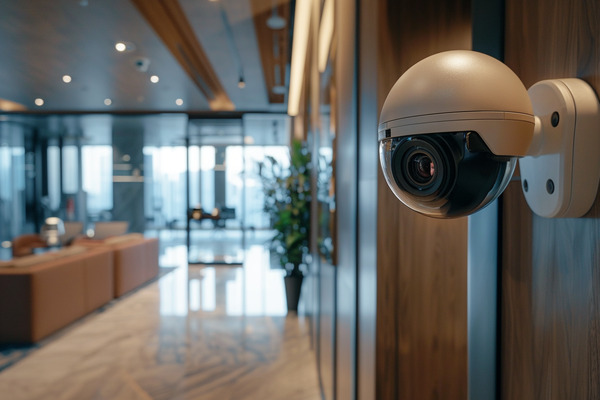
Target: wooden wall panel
{"points": [[346, 172], [551, 267], [368, 167], [422, 262], [326, 345]]}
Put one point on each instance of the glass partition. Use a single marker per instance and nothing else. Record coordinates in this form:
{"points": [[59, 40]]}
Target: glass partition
{"points": [[97, 177], [148, 170], [216, 187], [13, 218]]}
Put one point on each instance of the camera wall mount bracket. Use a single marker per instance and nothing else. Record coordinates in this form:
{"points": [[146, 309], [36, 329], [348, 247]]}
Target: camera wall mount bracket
{"points": [[560, 175]]}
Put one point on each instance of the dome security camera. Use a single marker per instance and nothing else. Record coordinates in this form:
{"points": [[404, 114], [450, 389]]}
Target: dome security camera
{"points": [[141, 64], [454, 124]]}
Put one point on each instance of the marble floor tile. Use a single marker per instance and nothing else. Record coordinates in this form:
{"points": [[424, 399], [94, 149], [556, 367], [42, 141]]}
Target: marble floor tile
{"points": [[196, 333]]}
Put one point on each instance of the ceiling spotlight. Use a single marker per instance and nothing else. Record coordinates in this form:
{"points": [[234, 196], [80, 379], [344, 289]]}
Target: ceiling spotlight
{"points": [[276, 21], [241, 83], [154, 79], [179, 102], [107, 102], [124, 47], [66, 78], [39, 102]]}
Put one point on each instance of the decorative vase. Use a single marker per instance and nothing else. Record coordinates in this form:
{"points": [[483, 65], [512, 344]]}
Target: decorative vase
{"points": [[293, 285]]}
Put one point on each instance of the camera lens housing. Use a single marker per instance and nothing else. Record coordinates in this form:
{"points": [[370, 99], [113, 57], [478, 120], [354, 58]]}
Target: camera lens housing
{"points": [[454, 123], [444, 175]]}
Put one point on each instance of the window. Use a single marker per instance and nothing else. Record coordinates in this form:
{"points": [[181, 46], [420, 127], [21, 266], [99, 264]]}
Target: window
{"points": [[97, 177]]}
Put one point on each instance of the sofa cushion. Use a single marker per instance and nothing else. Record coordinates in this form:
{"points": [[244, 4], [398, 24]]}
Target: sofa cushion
{"points": [[28, 261], [135, 262], [124, 238], [98, 278], [69, 251], [34, 259]]}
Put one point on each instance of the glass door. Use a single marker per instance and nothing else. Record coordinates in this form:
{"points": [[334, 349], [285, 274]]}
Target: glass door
{"points": [[216, 192]]}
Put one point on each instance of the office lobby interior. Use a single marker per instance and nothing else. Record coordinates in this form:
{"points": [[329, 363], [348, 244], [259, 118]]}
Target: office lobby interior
{"points": [[143, 144]]}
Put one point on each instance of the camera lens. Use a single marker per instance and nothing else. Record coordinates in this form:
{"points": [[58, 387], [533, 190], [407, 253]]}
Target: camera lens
{"points": [[444, 175], [421, 168]]}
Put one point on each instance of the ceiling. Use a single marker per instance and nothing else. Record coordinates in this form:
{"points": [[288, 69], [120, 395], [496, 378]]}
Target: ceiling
{"points": [[41, 41]]}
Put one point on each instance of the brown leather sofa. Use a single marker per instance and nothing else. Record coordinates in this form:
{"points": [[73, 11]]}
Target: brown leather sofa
{"points": [[135, 262], [135, 259], [40, 294]]}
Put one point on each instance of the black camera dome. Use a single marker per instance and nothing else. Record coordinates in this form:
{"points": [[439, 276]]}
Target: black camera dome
{"points": [[444, 175]]}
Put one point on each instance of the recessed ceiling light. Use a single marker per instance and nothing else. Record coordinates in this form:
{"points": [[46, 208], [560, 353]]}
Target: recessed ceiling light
{"points": [[124, 47], [39, 102], [154, 79], [179, 102], [107, 102], [66, 78]]}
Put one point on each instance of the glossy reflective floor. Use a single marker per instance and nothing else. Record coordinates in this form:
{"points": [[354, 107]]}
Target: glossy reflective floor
{"points": [[196, 333]]}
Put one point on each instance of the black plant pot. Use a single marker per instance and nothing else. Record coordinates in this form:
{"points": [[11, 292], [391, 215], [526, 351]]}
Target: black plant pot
{"points": [[293, 285]]}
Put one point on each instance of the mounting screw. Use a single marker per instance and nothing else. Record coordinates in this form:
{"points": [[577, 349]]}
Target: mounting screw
{"points": [[550, 186], [554, 119]]}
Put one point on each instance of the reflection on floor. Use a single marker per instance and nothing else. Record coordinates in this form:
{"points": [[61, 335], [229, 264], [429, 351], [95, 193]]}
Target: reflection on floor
{"points": [[199, 333], [214, 245]]}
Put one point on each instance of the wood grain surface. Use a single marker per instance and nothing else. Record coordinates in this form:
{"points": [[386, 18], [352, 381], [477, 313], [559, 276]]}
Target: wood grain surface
{"points": [[273, 44], [550, 274], [422, 262], [346, 175]]}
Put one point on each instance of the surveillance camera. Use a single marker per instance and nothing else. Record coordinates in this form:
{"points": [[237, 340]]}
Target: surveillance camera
{"points": [[454, 124], [141, 64]]}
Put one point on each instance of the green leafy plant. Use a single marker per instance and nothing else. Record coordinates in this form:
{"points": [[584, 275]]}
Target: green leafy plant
{"points": [[287, 201]]}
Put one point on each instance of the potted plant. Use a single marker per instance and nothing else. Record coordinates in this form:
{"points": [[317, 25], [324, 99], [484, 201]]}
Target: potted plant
{"points": [[287, 202]]}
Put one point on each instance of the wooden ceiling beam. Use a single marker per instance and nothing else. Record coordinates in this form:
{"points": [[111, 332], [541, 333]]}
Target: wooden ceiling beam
{"points": [[273, 45], [170, 23], [10, 106]]}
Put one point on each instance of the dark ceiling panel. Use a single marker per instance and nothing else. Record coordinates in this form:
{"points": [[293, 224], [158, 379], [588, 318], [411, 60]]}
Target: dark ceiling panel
{"points": [[40, 41]]}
